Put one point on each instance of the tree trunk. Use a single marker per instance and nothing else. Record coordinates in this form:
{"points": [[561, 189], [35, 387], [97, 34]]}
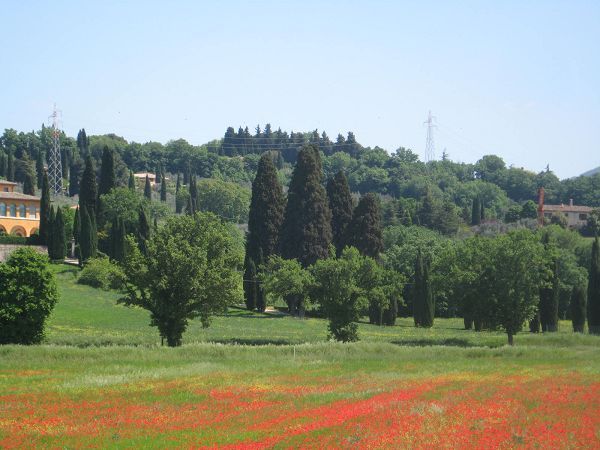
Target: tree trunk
{"points": [[510, 338], [468, 323]]}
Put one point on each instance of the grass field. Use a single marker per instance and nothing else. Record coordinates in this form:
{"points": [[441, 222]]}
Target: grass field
{"points": [[104, 382]]}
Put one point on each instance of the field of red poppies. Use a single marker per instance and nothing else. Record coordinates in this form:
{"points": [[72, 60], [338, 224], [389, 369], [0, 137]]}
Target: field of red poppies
{"points": [[322, 396]]}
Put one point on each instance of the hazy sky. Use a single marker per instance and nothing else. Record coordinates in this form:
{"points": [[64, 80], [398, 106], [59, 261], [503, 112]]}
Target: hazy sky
{"points": [[520, 79]]}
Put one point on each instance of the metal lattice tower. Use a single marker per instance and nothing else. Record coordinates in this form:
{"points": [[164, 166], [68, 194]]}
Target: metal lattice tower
{"points": [[429, 144], [54, 159]]}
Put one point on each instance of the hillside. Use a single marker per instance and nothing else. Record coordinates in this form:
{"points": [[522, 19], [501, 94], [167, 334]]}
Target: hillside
{"points": [[589, 173]]}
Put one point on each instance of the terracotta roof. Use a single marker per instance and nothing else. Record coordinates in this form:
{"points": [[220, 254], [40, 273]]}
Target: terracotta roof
{"points": [[17, 196], [9, 183], [568, 208]]}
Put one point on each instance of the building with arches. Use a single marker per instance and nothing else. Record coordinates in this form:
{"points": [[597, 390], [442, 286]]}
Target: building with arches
{"points": [[19, 213]]}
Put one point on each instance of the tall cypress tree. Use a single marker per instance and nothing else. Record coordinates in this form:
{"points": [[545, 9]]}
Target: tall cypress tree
{"points": [[340, 203], [10, 167], [364, 231], [593, 307], [306, 230], [117, 240], [423, 303], [578, 308], [148, 189], [88, 189], [2, 163], [77, 226], [178, 197], [107, 172], [264, 224], [28, 174], [163, 188], [39, 168], [44, 210], [131, 182], [418, 291], [75, 173], [50, 232], [476, 211], [143, 230], [58, 244], [86, 245]]}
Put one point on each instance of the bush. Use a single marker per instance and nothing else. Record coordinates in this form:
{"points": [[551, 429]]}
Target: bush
{"points": [[27, 296], [101, 273], [15, 240]]}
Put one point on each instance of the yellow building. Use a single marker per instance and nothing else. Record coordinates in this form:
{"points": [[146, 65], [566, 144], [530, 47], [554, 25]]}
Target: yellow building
{"points": [[19, 213]]}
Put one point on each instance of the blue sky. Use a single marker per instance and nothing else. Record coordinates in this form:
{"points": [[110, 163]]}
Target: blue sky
{"points": [[520, 79]]}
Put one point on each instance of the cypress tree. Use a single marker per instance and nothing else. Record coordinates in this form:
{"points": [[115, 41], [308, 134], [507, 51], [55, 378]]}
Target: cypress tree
{"points": [[85, 235], [549, 297], [264, 224], [10, 167], [45, 210], [107, 172], [593, 306], [423, 303], [476, 212], [340, 203], [77, 226], [58, 244], [429, 302], [74, 176], [39, 168], [2, 163], [418, 291], [427, 212], [131, 182], [306, 229], [178, 200], [364, 232], [482, 209], [189, 209], [578, 308], [117, 240], [148, 189], [88, 189], [50, 232], [143, 230], [163, 189]]}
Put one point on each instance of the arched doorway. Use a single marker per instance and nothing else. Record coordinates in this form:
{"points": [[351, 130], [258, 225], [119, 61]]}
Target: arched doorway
{"points": [[18, 231]]}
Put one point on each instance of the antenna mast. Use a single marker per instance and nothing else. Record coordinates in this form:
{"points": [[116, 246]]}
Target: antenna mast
{"points": [[54, 160], [429, 145]]}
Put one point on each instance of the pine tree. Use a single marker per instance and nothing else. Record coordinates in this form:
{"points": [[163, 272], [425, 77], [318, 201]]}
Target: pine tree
{"points": [[58, 244], [107, 172], [364, 232], [578, 308], [306, 230], [148, 189], [593, 305], [340, 203], [476, 212], [44, 210], [264, 224], [88, 189], [163, 188], [131, 182]]}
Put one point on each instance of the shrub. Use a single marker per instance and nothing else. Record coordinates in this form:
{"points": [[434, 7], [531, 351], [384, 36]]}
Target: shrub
{"points": [[27, 296], [101, 273]]}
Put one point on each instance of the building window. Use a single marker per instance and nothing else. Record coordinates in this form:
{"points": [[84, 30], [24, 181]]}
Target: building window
{"points": [[5, 189], [32, 211], [582, 216], [2, 209], [13, 210], [22, 211]]}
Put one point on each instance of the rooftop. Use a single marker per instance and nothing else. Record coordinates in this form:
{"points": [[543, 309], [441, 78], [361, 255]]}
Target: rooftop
{"points": [[17, 196], [7, 183], [568, 208]]}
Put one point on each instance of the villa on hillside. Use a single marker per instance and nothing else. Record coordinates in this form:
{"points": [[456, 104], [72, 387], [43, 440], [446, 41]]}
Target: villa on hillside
{"points": [[576, 216], [19, 213]]}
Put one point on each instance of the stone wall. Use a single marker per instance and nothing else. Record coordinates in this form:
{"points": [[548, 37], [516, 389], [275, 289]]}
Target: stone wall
{"points": [[7, 249]]}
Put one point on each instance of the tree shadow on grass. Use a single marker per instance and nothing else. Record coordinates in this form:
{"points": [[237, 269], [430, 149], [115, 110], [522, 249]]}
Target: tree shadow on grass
{"points": [[251, 341], [427, 342]]}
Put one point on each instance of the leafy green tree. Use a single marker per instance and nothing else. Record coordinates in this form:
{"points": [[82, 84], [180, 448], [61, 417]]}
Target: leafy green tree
{"points": [[28, 175], [513, 214], [58, 246], [423, 304], [593, 312], [107, 172], [44, 210], [191, 270], [28, 294], [529, 210], [549, 296], [306, 229], [230, 201], [285, 279], [340, 203], [578, 308], [148, 189], [264, 223], [88, 189]]}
